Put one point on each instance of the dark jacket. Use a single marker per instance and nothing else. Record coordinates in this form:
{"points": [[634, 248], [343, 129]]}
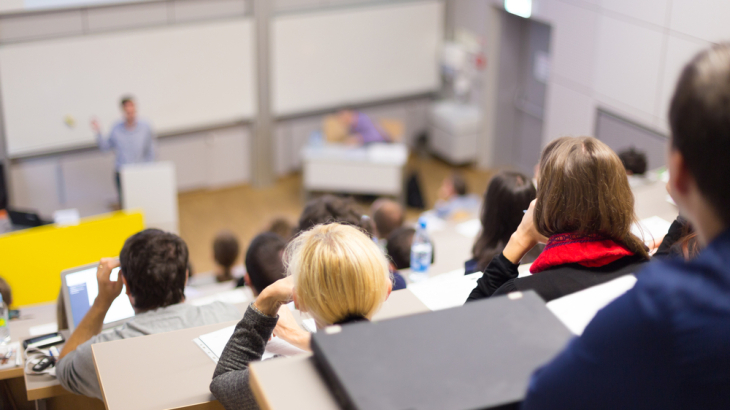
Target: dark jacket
{"points": [[500, 278], [662, 345]]}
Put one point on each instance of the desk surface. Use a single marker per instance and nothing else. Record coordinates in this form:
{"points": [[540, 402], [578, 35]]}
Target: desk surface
{"points": [[651, 200], [302, 380], [20, 330], [162, 379]]}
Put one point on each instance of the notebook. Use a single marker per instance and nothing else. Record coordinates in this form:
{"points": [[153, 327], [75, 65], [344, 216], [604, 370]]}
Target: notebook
{"points": [[578, 309], [480, 355]]}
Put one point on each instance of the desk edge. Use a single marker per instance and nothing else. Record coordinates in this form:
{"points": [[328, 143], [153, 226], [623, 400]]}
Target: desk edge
{"points": [[258, 392]]}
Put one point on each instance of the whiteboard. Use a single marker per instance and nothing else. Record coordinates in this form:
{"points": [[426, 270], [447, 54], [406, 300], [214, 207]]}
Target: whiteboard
{"points": [[356, 54], [184, 77]]}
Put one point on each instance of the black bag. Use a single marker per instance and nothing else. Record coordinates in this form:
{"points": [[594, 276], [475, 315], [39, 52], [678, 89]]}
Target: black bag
{"points": [[414, 197]]}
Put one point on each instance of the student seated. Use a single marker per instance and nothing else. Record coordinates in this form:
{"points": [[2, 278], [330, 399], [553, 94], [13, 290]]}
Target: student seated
{"points": [[664, 343], [282, 227], [264, 264], [330, 208], [360, 129], [505, 200], [634, 161], [454, 200], [154, 271], [388, 215], [398, 250], [225, 253], [584, 211], [337, 274], [680, 240]]}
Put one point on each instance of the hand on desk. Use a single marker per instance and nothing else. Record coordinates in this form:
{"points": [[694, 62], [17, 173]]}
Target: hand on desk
{"points": [[288, 329]]}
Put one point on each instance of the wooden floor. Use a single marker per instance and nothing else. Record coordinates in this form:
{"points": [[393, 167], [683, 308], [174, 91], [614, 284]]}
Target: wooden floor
{"points": [[246, 211]]}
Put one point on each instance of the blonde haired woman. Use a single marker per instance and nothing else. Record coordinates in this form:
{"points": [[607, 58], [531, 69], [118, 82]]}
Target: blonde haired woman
{"points": [[584, 211], [337, 275]]}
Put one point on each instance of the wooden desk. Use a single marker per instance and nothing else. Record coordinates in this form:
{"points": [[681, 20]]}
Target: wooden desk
{"points": [[30, 317], [303, 380], [168, 370]]}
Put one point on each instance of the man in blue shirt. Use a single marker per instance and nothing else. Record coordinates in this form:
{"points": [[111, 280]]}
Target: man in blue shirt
{"points": [[665, 344], [132, 140]]}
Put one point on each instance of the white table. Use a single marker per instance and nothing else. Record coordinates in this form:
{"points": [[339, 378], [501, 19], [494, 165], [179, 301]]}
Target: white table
{"points": [[373, 169]]}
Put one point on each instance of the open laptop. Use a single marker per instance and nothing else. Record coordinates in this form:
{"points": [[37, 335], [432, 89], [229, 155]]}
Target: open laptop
{"points": [[80, 288]]}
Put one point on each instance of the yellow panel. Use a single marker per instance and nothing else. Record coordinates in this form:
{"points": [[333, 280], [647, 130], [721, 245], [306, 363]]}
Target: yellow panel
{"points": [[31, 261]]}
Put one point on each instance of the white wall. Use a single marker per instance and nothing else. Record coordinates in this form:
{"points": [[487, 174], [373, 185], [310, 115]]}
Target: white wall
{"points": [[85, 180], [624, 56], [620, 55]]}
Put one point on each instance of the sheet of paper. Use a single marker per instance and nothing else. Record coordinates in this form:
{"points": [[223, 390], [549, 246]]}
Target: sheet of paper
{"points": [[651, 229], [470, 228], [235, 296], [43, 329], [214, 343], [445, 291], [578, 309]]}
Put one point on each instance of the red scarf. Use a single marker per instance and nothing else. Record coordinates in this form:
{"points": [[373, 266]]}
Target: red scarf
{"points": [[586, 250]]}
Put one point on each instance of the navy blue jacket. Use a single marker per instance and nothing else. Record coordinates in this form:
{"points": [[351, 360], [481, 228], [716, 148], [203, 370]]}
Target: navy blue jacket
{"points": [[665, 344]]}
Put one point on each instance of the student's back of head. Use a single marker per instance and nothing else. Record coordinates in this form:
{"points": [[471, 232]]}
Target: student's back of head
{"points": [[264, 264], [225, 253], [506, 198], [699, 119], [399, 247], [459, 183], [583, 189], [329, 208], [634, 161], [339, 273], [388, 215], [154, 264]]}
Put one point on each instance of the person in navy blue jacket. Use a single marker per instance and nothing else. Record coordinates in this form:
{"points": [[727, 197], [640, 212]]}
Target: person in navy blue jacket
{"points": [[665, 344]]}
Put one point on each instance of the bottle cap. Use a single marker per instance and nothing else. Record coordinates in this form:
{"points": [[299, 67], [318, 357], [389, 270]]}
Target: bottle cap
{"points": [[422, 222]]}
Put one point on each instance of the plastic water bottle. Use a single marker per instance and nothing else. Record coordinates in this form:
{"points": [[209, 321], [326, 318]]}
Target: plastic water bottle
{"points": [[421, 252], [4, 329]]}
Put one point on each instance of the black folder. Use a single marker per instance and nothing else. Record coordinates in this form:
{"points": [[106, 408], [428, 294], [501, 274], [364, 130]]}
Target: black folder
{"points": [[477, 356]]}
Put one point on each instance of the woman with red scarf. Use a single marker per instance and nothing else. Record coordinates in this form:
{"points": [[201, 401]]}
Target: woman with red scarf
{"points": [[583, 211]]}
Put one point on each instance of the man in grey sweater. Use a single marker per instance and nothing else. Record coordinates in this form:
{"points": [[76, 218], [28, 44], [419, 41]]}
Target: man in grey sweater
{"points": [[154, 271]]}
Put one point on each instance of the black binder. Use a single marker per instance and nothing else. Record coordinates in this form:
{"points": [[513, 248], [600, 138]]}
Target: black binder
{"points": [[476, 356]]}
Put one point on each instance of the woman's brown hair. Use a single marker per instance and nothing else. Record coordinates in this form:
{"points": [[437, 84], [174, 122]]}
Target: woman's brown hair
{"points": [[583, 189]]}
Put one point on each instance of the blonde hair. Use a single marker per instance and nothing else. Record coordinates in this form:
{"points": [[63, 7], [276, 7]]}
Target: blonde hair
{"points": [[338, 272], [583, 188]]}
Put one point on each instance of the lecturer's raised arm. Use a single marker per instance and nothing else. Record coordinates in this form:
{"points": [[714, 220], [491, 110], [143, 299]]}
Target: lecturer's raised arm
{"points": [[105, 144]]}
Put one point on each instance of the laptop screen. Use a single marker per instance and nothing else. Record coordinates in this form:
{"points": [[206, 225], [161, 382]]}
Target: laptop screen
{"points": [[82, 291]]}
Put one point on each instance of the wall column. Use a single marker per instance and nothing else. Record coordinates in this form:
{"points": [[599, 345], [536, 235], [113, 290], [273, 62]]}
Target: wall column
{"points": [[262, 143]]}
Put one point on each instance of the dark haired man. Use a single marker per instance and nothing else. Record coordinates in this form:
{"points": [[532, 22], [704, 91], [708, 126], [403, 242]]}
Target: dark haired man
{"points": [[264, 264], [329, 208], [665, 343], [154, 268], [132, 139], [388, 215]]}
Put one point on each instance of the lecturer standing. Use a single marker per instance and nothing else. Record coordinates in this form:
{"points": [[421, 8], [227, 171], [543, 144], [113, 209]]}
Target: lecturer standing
{"points": [[132, 140]]}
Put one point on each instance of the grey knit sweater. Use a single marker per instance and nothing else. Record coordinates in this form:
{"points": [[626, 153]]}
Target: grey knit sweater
{"points": [[230, 379]]}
